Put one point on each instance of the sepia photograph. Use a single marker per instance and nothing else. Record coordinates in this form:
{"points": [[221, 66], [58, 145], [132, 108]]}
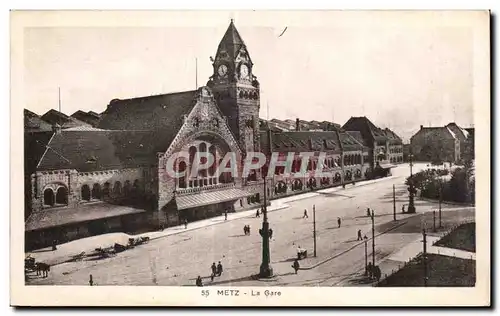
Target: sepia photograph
{"points": [[250, 158]]}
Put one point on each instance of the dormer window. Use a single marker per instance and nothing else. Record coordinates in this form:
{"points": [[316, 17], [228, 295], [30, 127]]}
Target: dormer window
{"points": [[91, 160]]}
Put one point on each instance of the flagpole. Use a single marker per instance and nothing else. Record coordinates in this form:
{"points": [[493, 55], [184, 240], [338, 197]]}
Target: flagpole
{"points": [[59, 98], [196, 61]]}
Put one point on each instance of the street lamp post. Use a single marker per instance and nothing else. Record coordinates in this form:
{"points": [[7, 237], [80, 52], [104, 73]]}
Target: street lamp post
{"points": [[266, 270], [411, 205], [314, 228]]}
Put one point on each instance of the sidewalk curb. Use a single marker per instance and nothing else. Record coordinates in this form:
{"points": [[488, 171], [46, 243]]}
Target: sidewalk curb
{"points": [[351, 248], [447, 202], [280, 207], [311, 194]]}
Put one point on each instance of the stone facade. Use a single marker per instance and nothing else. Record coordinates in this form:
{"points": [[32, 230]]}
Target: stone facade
{"points": [[435, 144]]}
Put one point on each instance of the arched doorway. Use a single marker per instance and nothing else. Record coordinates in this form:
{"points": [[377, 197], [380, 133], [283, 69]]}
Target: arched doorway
{"points": [[106, 190], [48, 197], [127, 188], [62, 196], [85, 192], [117, 188], [96, 191]]}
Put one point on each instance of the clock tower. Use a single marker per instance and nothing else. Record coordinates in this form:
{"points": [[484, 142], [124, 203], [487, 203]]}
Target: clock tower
{"points": [[236, 89]]}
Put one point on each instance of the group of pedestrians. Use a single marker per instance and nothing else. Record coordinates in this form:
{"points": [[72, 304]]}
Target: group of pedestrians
{"points": [[216, 271]]}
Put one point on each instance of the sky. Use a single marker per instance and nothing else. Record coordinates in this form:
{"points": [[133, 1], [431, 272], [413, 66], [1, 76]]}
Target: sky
{"points": [[401, 71]]}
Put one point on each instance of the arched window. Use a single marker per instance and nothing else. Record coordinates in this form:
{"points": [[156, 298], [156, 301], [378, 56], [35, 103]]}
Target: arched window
{"points": [[62, 196], [96, 191], [117, 188], [192, 154], [182, 179], [85, 192], [48, 197], [213, 151], [203, 159]]}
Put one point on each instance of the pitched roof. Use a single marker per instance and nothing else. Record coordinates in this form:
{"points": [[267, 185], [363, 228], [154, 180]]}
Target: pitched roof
{"points": [[433, 131], [54, 117], [349, 143], [102, 150], [91, 118], [163, 113], [393, 137], [369, 131], [357, 136], [231, 41], [33, 123], [304, 141], [461, 133], [34, 148]]}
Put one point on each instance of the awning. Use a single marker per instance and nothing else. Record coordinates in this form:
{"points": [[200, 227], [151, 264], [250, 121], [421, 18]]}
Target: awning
{"points": [[207, 198], [386, 166], [69, 215]]}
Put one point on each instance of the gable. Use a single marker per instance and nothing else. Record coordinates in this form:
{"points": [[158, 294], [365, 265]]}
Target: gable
{"points": [[204, 119]]}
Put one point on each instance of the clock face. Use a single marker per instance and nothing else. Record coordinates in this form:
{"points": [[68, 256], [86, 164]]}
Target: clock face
{"points": [[244, 71], [222, 70]]}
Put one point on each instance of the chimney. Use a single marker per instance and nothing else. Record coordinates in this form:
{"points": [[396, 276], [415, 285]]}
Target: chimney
{"points": [[421, 126], [297, 124]]}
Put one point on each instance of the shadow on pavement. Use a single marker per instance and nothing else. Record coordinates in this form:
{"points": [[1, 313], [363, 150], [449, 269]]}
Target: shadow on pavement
{"points": [[247, 278], [238, 235], [287, 260]]}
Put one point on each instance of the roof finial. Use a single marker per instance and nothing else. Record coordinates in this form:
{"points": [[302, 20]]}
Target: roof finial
{"points": [[232, 20]]}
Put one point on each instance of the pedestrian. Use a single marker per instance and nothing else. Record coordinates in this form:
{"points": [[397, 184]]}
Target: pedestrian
{"points": [[91, 282], [339, 221], [368, 212], [305, 214], [248, 229], [185, 223], [54, 245], [270, 233], [403, 208], [199, 282], [359, 235], [257, 214], [219, 269], [225, 216], [377, 273], [214, 269], [296, 265]]}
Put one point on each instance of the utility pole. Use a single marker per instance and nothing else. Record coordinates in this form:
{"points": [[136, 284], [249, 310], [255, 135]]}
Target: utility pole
{"points": [[373, 238], [266, 270], [59, 98], [434, 219], [314, 228], [440, 200], [411, 205], [196, 62], [394, 199], [366, 256], [425, 257]]}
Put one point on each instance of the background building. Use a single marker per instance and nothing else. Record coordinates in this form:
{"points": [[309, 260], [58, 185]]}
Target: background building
{"points": [[449, 143]]}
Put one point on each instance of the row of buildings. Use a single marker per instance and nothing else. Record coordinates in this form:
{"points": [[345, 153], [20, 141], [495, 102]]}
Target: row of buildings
{"points": [[92, 173]]}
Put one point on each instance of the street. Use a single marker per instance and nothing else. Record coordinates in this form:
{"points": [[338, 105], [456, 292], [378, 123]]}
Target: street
{"points": [[179, 259]]}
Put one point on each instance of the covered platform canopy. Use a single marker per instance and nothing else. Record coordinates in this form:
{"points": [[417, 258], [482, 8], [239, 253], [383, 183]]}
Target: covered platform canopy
{"points": [[206, 198]]}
